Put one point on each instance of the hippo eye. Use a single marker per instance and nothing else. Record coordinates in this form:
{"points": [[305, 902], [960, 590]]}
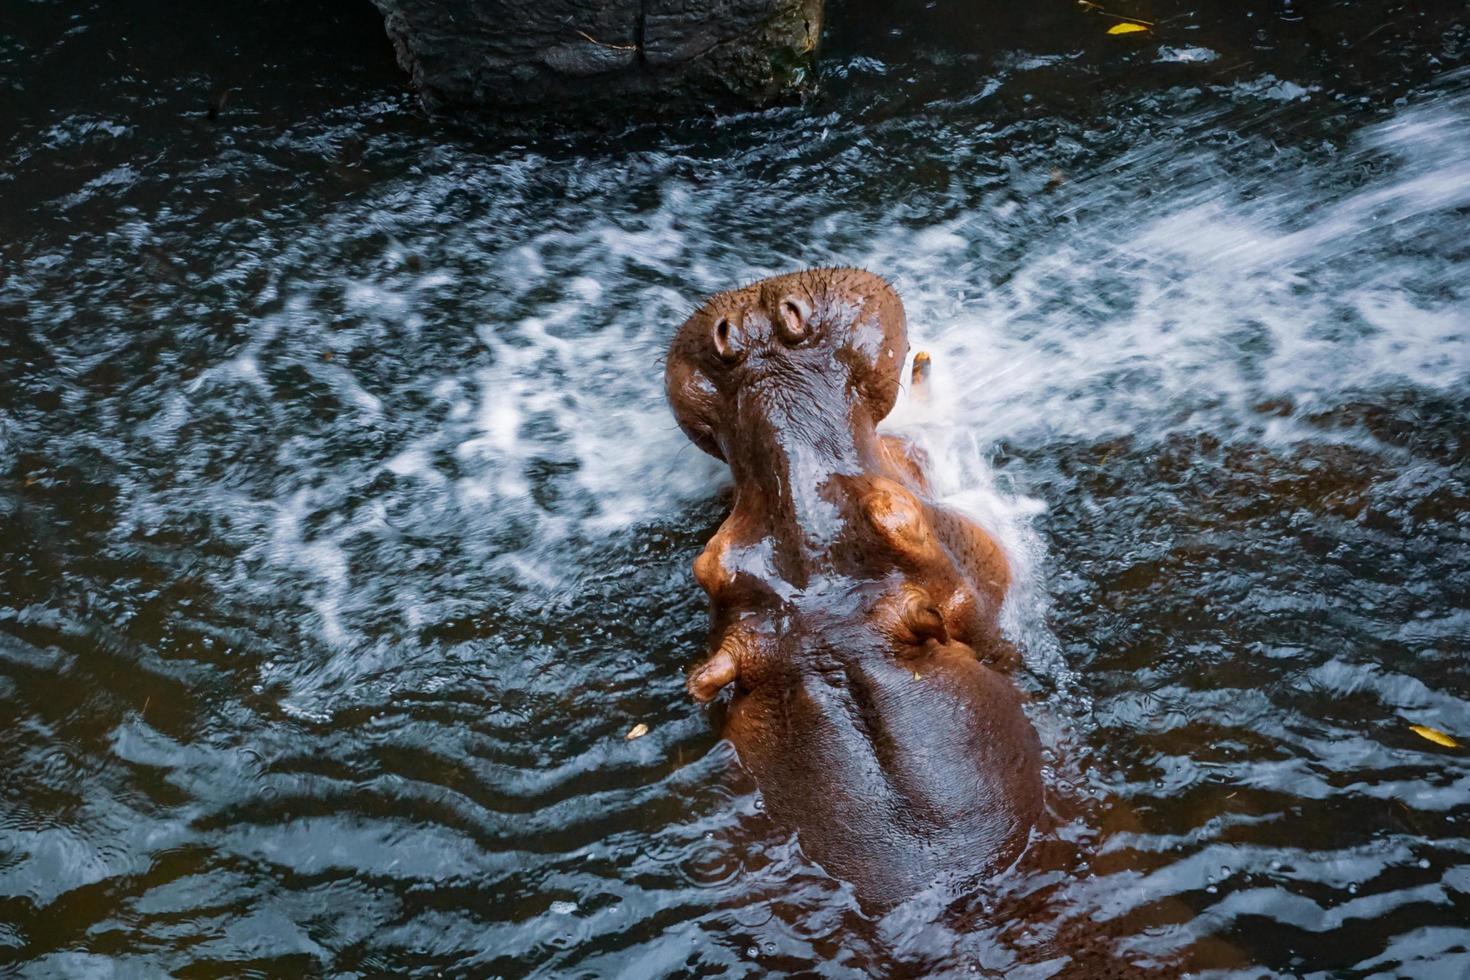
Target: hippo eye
{"points": [[928, 624], [919, 619], [724, 339]]}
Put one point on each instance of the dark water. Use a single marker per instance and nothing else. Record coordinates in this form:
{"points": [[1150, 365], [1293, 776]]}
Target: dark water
{"points": [[344, 533]]}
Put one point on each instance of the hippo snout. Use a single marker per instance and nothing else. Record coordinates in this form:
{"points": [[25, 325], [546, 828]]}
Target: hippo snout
{"points": [[752, 326], [833, 329]]}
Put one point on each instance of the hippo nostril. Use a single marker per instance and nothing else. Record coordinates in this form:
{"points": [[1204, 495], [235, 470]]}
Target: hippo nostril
{"points": [[725, 341], [791, 324]]}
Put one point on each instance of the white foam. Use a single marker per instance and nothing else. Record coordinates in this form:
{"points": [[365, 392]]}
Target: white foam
{"points": [[1186, 55], [1206, 302], [1088, 311]]}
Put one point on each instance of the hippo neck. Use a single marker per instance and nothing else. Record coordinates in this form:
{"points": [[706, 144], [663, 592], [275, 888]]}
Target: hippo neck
{"points": [[788, 451]]}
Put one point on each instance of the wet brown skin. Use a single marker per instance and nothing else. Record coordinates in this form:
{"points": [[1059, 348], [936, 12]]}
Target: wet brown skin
{"points": [[855, 618]]}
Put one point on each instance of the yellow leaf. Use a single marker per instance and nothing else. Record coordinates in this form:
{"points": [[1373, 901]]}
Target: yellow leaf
{"points": [[637, 731], [1126, 28], [1434, 735]]}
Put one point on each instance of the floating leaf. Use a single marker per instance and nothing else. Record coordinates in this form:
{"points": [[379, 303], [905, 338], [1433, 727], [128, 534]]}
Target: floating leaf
{"points": [[1126, 28], [637, 731], [1434, 735]]}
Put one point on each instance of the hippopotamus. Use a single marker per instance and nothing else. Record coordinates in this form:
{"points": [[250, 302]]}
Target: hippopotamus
{"points": [[855, 619]]}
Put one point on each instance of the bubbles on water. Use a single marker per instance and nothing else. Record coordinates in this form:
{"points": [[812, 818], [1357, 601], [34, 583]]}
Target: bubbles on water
{"points": [[1189, 308], [1185, 55]]}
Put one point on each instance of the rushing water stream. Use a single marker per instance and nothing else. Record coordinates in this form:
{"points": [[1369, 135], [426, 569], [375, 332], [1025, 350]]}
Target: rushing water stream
{"points": [[344, 531]]}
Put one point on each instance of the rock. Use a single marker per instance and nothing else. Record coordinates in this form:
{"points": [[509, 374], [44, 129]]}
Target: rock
{"points": [[665, 53]]}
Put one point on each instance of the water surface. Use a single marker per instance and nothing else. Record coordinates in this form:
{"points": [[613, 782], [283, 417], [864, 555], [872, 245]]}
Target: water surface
{"points": [[344, 531]]}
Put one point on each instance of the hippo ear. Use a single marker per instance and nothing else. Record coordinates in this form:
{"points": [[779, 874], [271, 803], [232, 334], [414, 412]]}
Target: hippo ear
{"points": [[721, 669]]}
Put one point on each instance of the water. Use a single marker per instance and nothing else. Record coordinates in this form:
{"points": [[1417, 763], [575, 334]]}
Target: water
{"points": [[344, 532]]}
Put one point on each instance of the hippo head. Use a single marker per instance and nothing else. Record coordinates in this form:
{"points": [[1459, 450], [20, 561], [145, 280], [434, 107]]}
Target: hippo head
{"points": [[833, 336]]}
